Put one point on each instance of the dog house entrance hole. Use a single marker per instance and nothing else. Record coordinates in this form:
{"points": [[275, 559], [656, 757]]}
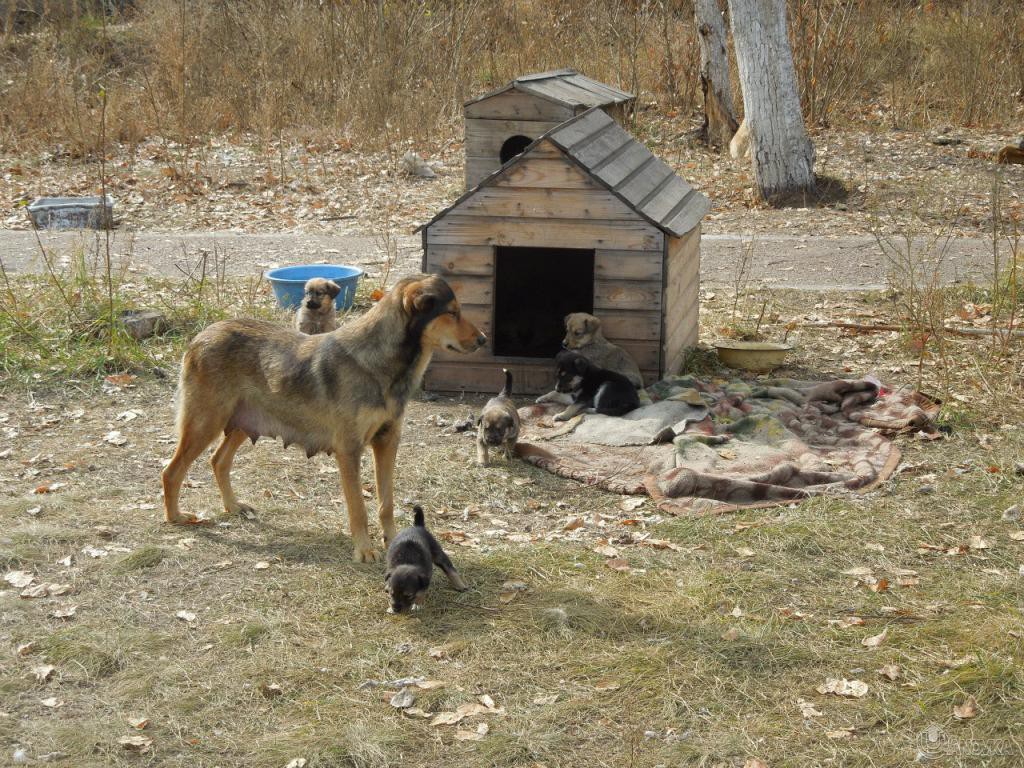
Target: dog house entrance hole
{"points": [[534, 289], [514, 146]]}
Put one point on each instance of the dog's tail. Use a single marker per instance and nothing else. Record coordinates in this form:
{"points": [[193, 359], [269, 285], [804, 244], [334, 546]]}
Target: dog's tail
{"points": [[417, 517], [506, 391]]}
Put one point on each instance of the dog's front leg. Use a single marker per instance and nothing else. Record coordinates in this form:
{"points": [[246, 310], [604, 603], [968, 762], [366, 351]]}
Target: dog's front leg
{"points": [[481, 452], [574, 409], [385, 449], [348, 467]]}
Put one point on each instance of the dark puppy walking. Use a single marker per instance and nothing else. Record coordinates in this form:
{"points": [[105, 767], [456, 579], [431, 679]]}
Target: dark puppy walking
{"points": [[498, 425], [605, 391], [412, 555]]}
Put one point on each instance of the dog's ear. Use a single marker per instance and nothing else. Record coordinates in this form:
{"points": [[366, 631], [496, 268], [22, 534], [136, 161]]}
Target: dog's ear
{"points": [[416, 299], [580, 364], [592, 324], [333, 289], [479, 419], [387, 576], [421, 583]]}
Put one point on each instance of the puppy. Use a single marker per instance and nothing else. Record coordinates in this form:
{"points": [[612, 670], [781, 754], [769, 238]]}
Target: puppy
{"points": [[411, 558], [316, 314], [583, 335], [604, 391], [498, 424]]}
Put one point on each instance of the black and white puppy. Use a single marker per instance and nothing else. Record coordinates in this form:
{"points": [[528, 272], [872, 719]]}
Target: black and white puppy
{"points": [[591, 387], [411, 558], [498, 424]]}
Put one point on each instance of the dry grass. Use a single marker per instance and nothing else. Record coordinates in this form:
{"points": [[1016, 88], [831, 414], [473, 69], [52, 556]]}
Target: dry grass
{"points": [[638, 664], [382, 72]]}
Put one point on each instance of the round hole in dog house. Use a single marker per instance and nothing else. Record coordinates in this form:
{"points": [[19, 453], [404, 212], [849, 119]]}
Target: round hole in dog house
{"points": [[514, 145]]}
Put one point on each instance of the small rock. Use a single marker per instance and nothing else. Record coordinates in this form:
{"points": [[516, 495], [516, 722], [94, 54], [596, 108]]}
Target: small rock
{"points": [[1018, 467], [946, 141], [1011, 514], [926, 489], [463, 425], [141, 324]]}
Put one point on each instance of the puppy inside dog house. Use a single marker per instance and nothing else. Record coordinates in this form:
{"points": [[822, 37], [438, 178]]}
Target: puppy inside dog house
{"points": [[581, 218]]}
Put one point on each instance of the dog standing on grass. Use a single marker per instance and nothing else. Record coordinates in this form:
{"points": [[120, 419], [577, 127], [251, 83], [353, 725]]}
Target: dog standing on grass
{"points": [[498, 423], [335, 392], [411, 558], [316, 313]]}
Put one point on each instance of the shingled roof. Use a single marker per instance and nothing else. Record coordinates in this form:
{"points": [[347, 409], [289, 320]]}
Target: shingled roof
{"points": [[565, 86], [602, 148]]}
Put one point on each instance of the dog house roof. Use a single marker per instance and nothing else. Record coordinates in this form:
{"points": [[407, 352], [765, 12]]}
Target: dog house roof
{"points": [[564, 86], [600, 146]]}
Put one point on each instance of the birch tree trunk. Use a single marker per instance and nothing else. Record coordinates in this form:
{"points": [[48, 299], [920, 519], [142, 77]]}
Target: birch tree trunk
{"points": [[782, 155], [719, 119]]}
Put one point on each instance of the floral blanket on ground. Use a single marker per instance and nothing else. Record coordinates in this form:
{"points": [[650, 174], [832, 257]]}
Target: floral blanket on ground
{"points": [[719, 445]]}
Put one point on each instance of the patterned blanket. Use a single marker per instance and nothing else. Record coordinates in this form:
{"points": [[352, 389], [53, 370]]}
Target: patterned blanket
{"points": [[719, 445]]}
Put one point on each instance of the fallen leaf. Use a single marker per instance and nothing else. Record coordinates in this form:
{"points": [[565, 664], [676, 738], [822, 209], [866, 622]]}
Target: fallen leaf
{"points": [[744, 551], [56, 590], [963, 661], [855, 689], [120, 379], [114, 437], [403, 699], [1017, 535], [262, 565], [477, 735], [881, 585], [65, 613], [847, 622], [25, 648], [186, 616], [140, 744], [37, 590], [618, 564], [732, 633], [662, 544], [890, 671], [511, 590], [573, 524], [43, 672], [447, 718], [415, 712], [19, 579], [53, 702], [967, 710], [807, 710], [631, 503], [138, 723], [545, 700], [875, 640], [486, 700], [606, 685], [840, 733], [976, 542], [94, 552], [438, 652], [606, 550], [736, 612]]}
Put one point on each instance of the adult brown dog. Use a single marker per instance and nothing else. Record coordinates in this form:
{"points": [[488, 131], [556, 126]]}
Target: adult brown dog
{"points": [[335, 392]]}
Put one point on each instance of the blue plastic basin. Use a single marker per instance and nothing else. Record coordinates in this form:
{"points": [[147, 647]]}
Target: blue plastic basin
{"points": [[288, 283]]}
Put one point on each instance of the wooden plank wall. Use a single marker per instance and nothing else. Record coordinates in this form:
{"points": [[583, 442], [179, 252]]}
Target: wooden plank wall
{"points": [[491, 122], [547, 201], [682, 289]]}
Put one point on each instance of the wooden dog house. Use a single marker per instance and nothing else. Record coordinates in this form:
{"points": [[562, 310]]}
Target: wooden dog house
{"points": [[502, 123], [586, 219]]}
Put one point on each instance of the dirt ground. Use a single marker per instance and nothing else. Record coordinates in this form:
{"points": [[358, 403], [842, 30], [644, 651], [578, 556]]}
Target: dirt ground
{"points": [[259, 643]]}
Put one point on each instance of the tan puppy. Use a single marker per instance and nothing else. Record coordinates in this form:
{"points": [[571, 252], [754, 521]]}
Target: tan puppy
{"points": [[583, 335], [335, 392], [498, 424], [317, 313], [739, 145]]}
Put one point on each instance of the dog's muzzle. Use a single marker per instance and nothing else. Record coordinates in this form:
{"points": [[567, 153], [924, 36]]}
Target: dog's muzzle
{"points": [[481, 340], [312, 305]]}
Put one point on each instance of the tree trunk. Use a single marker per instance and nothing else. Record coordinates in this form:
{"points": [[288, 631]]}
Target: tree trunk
{"points": [[719, 119], [782, 154]]}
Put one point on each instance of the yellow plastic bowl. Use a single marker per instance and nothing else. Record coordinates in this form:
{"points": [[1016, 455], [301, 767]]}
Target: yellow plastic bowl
{"points": [[757, 356]]}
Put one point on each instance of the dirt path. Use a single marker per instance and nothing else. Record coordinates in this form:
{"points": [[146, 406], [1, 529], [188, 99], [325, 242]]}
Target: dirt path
{"points": [[784, 261]]}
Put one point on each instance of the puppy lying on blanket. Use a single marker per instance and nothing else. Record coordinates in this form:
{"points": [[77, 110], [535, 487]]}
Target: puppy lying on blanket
{"points": [[583, 335], [593, 388]]}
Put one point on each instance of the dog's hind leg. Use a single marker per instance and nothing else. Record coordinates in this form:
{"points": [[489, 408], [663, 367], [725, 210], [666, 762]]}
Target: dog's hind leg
{"points": [[221, 463], [385, 449], [348, 467], [442, 561], [196, 434]]}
